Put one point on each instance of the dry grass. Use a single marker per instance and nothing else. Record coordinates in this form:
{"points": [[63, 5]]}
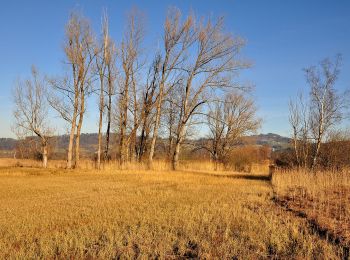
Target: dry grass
{"points": [[56, 213], [158, 165], [322, 197]]}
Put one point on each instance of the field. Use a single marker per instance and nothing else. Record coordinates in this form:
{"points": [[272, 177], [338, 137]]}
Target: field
{"points": [[56, 213], [323, 198]]}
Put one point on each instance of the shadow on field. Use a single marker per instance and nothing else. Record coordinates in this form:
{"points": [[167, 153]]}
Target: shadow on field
{"points": [[245, 176]]}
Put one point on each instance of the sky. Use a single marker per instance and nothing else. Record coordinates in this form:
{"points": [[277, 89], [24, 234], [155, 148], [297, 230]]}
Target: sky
{"points": [[282, 38]]}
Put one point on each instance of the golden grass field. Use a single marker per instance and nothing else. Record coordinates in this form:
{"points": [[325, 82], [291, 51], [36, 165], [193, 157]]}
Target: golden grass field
{"points": [[122, 214], [321, 197]]}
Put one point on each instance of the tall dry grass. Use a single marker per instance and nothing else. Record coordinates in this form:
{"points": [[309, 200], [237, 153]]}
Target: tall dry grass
{"points": [[158, 165], [323, 196], [57, 213]]}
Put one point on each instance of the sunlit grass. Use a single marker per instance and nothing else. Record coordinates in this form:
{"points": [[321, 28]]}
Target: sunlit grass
{"points": [[323, 196], [146, 214]]}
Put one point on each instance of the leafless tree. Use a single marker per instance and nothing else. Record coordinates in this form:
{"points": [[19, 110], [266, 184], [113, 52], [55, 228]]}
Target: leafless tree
{"points": [[227, 122], [295, 121], [130, 54], [111, 77], [102, 59], [211, 67], [178, 37], [299, 119], [326, 104], [171, 117], [31, 111], [148, 101], [72, 91], [312, 120]]}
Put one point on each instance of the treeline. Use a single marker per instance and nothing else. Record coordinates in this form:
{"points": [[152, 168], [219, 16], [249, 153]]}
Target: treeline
{"points": [[241, 157], [184, 88]]}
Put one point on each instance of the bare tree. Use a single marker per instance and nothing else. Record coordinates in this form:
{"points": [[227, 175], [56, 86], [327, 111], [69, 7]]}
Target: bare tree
{"points": [[171, 117], [130, 52], [102, 60], [178, 37], [311, 121], [211, 68], [111, 76], [72, 91], [326, 104], [227, 122], [299, 119], [294, 120], [31, 111], [148, 101]]}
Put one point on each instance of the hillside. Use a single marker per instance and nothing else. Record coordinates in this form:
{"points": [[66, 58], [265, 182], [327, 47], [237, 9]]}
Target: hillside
{"points": [[276, 141], [89, 143]]}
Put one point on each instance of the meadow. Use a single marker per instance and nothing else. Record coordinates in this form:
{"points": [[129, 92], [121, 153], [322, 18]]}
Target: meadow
{"points": [[140, 214], [322, 197]]}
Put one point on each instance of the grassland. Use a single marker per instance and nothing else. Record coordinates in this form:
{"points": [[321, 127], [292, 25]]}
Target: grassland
{"points": [[62, 214], [322, 197]]}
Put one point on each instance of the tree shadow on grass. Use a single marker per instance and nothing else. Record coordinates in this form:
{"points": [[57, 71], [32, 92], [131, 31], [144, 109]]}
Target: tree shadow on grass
{"points": [[245, 176]]}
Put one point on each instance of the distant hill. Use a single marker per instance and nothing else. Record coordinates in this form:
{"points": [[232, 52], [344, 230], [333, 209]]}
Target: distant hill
{"points": [[7, 144], [89, 142], [274, 140]]}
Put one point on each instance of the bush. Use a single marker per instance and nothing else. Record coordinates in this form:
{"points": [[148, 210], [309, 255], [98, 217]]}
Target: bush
{"points": [[242, 158]]}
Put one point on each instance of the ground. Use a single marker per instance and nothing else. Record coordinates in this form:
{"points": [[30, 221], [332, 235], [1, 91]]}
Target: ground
{"points": [[62, 214]]}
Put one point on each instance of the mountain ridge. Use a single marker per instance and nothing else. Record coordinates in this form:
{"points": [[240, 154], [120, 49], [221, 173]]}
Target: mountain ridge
{"points": [[90, 139]]}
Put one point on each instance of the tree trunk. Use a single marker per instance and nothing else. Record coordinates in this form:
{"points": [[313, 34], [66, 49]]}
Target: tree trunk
{"points": [[319, 140], [216, 161], [179, 139], [171, 139], [123, 123], [175, 161], [295, 142], [314, 161], [77, 148], [142, 142], [158, 111], [100, 125], [80, 123], [71, 141], [44, 154], [108, 125], [155, 130]]}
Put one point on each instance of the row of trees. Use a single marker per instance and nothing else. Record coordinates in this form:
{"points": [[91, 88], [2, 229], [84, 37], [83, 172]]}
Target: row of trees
{"points": [[188, 82], [315, 118]]}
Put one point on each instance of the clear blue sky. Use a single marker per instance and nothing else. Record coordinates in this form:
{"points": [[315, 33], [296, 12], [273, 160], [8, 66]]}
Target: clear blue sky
{"points": [[282, 38]]}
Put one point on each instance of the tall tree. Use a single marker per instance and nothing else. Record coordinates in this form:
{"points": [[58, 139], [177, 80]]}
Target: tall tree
{"points": [[326, 104], [210, 67], [311, 121], [101, 59], [31, 111], [111, 77], [72, 91], [227, 122], [148, 101], [299, 119], [178, 37], [130, 54]]}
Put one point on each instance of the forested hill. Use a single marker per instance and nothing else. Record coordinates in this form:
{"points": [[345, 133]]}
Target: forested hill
{"points": [[89, 141], [7, 144], [276, 141]]}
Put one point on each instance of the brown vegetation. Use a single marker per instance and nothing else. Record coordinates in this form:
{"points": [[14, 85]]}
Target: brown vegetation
{"points": [[323, 197], [141, 214]]}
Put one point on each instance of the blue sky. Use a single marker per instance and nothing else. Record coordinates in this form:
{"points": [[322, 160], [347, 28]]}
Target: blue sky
{"points": [[282, 38]]}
